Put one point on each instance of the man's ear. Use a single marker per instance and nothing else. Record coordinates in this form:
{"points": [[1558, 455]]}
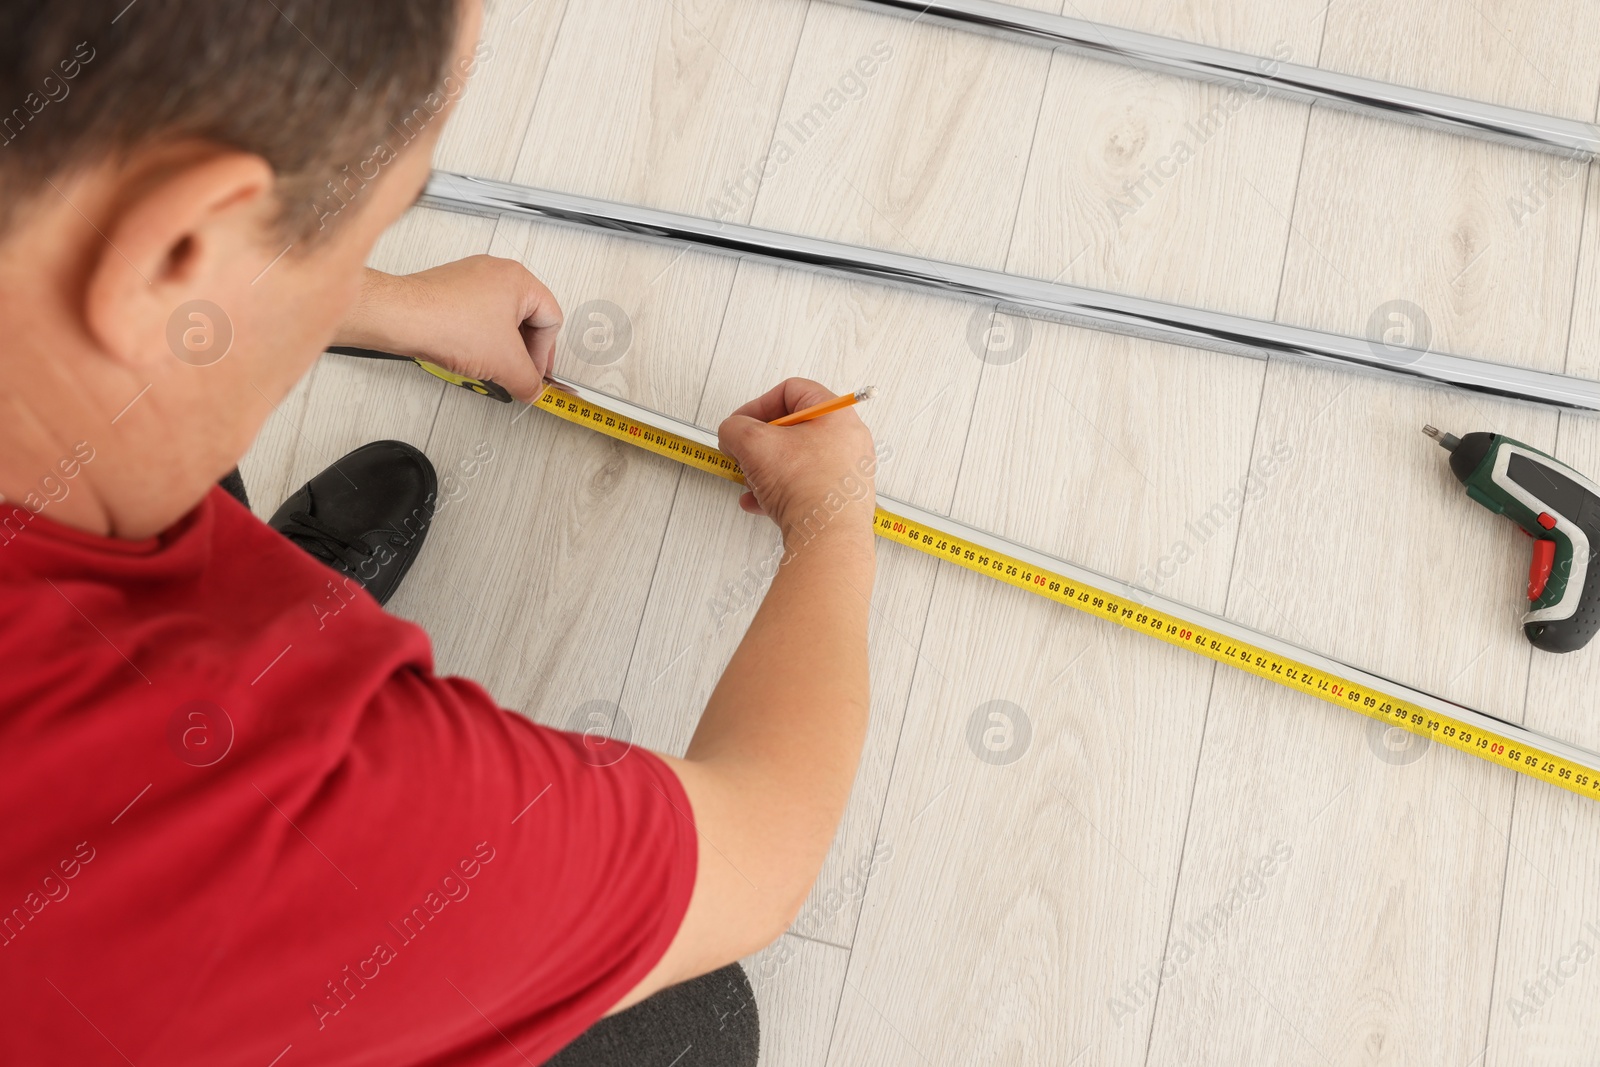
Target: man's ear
{"points": [[190, 231]]}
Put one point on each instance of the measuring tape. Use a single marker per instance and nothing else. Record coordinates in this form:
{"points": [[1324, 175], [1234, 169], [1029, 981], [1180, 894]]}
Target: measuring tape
{"points": [[1500, 742]]}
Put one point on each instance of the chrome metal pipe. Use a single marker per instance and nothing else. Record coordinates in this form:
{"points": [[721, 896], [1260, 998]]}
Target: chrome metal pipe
{"points": [[1083, 576], [1092, 308], [1148, 51]]}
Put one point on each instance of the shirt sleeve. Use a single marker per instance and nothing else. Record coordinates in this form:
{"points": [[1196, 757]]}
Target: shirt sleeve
{"points": [[462, 884]]}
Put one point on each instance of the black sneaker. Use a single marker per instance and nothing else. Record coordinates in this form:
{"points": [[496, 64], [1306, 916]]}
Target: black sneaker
{"points": [[367, 515]]}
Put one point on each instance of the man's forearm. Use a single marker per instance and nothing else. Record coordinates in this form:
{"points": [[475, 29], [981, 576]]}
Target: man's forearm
{"points": [[769, 769], [786, 722], [377, 318]]}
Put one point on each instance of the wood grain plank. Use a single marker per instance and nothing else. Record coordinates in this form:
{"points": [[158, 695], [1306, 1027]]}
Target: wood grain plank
{"points": [[1583, 338], [545, 610], [1051, 881], [1370, 940], [486, 132], [1253, 28], [661, 104], [1152, 185], [924, 154], [1129, 457], [1376, 942], [1545, 982], [1036, 817], [1515, 52], [1482, 239], [1051, 888]]}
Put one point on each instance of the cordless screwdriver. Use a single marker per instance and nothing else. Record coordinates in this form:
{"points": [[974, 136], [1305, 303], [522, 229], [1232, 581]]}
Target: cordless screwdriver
{"points": [[1556, 506]]}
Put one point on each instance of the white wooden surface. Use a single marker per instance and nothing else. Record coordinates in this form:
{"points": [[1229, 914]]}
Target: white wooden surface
{"points": [[1172, 863]]}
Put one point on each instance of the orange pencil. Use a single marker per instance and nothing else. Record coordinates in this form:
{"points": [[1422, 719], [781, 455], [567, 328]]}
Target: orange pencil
{"points": [[836, 404]]}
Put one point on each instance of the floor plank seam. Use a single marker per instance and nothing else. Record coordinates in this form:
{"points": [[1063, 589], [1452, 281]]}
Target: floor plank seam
{"points": [[1288, 230], [1177, 878], [894, 758], [1577, 276], [816, 941], [433, 424], [1322, 38], [1244, 509], [1027, 164], [1233, 563], [1294, 203], [533, 101], [1500, 915], [722, 324], [1205, 721], [293, 459], [655, 569], [777, 117], [1005, 260]]}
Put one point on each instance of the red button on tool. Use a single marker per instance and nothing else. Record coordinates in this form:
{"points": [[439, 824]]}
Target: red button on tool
{"points": [[1544, 558], [1547, 520]]}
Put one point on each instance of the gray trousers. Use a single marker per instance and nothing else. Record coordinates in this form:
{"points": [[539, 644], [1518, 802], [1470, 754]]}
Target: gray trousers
{"points": [[708, 1021]]}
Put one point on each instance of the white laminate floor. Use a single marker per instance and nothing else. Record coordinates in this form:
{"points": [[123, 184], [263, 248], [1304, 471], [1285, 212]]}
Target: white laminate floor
{"points": [[1177, 864]]}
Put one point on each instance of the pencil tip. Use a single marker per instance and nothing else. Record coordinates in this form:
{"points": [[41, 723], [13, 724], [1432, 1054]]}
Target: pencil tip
{"points": [[868, 393]]}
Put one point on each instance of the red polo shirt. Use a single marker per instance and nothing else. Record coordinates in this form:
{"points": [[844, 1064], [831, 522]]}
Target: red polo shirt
{"points": [[243, 822]]}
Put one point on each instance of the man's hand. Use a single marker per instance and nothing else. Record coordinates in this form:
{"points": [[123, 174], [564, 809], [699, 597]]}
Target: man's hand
{"points": [[795, 472], [481, 316]]}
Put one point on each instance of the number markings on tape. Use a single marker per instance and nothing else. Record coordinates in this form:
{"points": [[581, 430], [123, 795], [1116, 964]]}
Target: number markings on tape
{"points": [[1177, 631], [634, 432]]}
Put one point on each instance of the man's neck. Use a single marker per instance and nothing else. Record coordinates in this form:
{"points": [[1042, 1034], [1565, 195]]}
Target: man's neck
{"points": [[76, 434], [46, 469]]}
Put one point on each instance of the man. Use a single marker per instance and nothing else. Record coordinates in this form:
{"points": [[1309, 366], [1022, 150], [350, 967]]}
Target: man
{"points": [[232, 834]]}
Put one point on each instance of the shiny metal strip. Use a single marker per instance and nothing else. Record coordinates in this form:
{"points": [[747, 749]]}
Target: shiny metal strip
{"points": [[1454, 114], [1091, 308], [1152, 601]]}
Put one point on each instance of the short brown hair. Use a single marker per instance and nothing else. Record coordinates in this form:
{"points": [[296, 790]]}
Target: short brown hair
{"points": [[305, 84]]}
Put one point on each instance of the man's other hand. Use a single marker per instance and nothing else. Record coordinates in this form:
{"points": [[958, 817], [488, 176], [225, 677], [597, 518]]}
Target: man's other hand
{"points": [[482, 316]]}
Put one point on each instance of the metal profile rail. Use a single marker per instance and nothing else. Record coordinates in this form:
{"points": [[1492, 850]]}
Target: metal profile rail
{"points": [[1148, 51], [1091, 308]]}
